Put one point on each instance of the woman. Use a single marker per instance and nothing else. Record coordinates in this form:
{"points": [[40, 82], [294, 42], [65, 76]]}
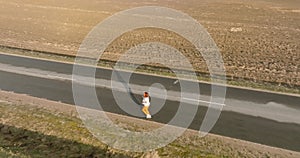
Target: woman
{"points": [[146, 103]]}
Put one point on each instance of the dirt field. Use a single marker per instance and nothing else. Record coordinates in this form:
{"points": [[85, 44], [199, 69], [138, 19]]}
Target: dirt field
{"points": [[259, 39]]}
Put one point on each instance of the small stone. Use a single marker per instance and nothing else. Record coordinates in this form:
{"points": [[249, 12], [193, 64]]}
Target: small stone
{"points": [[42, 146], [236, 29], [152, 154]]}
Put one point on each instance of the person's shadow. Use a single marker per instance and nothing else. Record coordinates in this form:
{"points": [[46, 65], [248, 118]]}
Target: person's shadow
{"points": [[128, 89]]}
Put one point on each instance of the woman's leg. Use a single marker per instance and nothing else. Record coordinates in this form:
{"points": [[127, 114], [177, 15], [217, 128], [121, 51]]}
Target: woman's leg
{"points": [[146, 110]]}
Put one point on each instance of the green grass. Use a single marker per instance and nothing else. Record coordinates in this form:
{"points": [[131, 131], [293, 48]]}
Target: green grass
{"points": [[5, 153], [35, 132]]}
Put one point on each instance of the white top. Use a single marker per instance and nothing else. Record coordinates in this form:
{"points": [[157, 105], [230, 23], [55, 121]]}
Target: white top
{"points": [[146, 101]]}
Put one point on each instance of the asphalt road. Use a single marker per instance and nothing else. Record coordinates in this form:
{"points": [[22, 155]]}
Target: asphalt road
{"points": [[256, 116]]}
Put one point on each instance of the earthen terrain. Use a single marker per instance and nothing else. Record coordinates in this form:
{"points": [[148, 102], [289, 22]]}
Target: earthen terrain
{"points": [[259, 40]]}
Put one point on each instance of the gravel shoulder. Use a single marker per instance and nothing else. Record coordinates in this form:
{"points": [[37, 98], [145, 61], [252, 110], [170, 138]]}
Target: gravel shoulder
{"points": [[33, 127]]}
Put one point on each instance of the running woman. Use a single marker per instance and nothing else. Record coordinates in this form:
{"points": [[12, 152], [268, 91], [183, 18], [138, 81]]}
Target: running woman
{"points": [[146, 103]]}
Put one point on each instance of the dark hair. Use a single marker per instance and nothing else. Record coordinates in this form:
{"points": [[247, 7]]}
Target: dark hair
{"points": [[146, 94]]}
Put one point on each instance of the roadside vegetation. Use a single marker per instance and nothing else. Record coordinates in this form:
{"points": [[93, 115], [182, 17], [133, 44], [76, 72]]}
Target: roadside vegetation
{"points": [[32, 127]]}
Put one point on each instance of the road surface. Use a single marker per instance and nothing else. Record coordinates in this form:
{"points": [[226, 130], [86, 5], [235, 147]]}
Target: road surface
{"points": [[262, 117]]}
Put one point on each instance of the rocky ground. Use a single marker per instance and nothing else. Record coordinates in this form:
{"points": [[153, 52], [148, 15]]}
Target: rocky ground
{"points": [[33, 127], [259, 40]]}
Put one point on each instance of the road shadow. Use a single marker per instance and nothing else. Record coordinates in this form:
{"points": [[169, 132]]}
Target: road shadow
{"points": [[34, 144]]}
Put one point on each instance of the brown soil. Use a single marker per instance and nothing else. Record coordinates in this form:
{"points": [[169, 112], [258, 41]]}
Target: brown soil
{"points": [[259, 40]]}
